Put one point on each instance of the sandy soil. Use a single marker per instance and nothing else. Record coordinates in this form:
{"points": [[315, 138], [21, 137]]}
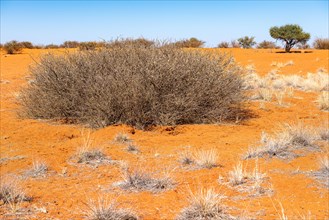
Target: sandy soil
{"points": [[63, 194]]}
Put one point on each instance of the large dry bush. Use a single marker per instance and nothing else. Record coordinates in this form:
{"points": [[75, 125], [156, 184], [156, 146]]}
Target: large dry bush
{"points": [[321, 43], [136, 85]]}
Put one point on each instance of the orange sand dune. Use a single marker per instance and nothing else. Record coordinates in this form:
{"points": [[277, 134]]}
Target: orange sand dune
{"points": [[64, 192]]}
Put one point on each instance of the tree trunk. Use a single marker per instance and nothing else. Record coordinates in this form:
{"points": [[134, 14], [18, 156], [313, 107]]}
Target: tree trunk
{"points": [[287, 48]]}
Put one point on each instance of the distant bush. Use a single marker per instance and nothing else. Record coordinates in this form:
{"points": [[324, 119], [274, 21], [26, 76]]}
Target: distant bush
{"points": [[13, 47], [70, 44], [27, 44], [189, 43], [235, 44], [135, 85], [246, 42], [266, 45], [223, 44], [303, 45], [321, 44], [90, 45], [140, 42], [51, 46]]}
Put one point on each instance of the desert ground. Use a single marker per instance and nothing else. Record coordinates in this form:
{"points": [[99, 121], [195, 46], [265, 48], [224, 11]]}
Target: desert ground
{"points": [[288, 186]]}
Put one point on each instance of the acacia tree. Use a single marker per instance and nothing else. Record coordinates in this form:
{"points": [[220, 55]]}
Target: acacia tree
{"points": [[246, 42], [291, 34]]}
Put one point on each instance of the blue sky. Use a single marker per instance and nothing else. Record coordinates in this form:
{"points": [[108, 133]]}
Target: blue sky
{"points": [[44, 22]]}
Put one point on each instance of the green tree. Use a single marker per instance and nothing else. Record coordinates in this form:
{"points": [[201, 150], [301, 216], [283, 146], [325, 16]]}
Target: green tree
{"points": [[246, 42], [291, 34]]}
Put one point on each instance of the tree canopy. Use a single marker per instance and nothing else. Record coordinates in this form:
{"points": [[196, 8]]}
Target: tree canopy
{"points": [[291, 34]]}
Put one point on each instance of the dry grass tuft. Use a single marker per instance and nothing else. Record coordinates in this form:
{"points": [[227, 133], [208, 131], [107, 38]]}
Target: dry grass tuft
{"points": [[122, 138], [206, 158], [39, 169], [322, 175], [238, 175], [283, 143], [132, 148], [323, 101], [12, 194], [205, 205], [323, 132], [139, 180], [87, 156], [186, 158], [105, 210]]}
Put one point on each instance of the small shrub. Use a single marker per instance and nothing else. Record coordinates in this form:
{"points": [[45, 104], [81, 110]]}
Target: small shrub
{"points": [[205, 205], [135, 85], [189, 43], [223, 44], [70, 44], [235, 44], [13, 47], [266, 45], [51, 46], [104, 210], [323, 101], [321, 44], [139, 180], [27, 44], [88, 45]]}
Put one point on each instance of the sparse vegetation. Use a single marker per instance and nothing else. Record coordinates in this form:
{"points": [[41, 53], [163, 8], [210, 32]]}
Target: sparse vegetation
{"points": [[323, 173], [105, 210], [289, 138], [39, 169], [122, 138], [140, 180], [91, 156], [206, 158], [223, 44], [132, 148], [321, 44], [13, 47], [11, 192], [267, 45], [205, 204], [238, 175], [323, 101], [164, 82], [235, 44]]}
